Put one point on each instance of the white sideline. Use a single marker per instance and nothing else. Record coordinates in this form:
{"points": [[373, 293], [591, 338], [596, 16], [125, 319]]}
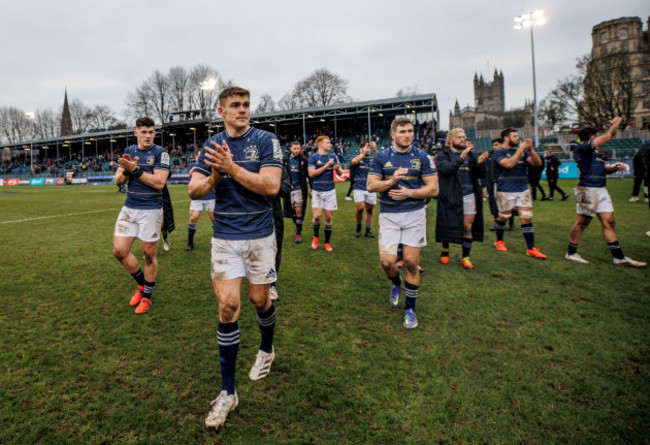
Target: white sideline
{"points": [[69, 214]]}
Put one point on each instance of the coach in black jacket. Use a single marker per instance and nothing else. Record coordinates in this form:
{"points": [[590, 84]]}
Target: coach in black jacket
{"points": [[304, 182], [552, 174], [450, 213]]}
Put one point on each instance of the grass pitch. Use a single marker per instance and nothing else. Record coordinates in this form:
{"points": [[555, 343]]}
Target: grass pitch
{"points": [[516, 351]]}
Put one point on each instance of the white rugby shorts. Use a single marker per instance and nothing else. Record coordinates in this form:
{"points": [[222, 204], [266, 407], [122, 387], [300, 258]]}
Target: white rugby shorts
{"points": [[408, 228], [593, 200], [200, 205], [296, 198], [253, 259], [506, 201], [324, 200], [144, 224], [469, 204], [365, 196]]}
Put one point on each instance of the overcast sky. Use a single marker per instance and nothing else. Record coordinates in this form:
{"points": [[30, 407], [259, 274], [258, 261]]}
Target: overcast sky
{"points": [[101, 49]]}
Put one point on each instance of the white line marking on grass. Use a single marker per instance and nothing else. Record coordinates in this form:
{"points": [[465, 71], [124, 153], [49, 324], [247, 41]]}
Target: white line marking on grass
{"points": [[69, 214]]}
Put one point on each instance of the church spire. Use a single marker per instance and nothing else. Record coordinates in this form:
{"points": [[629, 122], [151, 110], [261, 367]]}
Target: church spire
{"points": [[66, 118]]}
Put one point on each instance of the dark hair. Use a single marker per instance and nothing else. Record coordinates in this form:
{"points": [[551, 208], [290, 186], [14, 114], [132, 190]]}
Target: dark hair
{"points": [[400, 122], [144, 122], [294, 143], [233, 91], [499, 140], [507, 132], [586, 133]]}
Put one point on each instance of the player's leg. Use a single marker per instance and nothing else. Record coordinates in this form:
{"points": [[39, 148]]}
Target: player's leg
{"points": [[328, 228], [608, 224], [122, 252], [411, 284], [358, 215], [296, 206], [369, 208], [228, 297], [150, 252], [195, 214], [468, 221], [261, 271], [389, 239], [317, 213], [505, 205]]}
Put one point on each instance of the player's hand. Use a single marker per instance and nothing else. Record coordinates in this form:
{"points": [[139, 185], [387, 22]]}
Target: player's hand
{"points": [[219, 157], [330, 162], [400, 193], [483, 157], [399, 174], [127, 163], [527, 144], [621, 166], [465, 153], [617, 120]]}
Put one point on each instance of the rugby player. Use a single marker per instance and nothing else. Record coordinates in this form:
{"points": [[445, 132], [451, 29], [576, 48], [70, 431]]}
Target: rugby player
{"points": [[592, 198], [459, 217], [362, 198], [405, 177], [197, 206], [512, 188], [244, 167], [144, 167], [322, 165], [296, 165]]}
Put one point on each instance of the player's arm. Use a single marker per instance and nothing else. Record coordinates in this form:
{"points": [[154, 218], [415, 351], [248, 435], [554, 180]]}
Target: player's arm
{"points": [[375, 184], [534, 158], [373, 145], [155, 180], [619, 166], [201, 184], [512, 161], [429, 189], [313, 171], [609, 134], [357, 159], [120, 177], [126, 167]]}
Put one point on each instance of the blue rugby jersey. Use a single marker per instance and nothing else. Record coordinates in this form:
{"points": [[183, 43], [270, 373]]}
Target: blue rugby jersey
{"points": [[591, 164], [511, 179], [325, 181], [139, 195], [294, 165], [419, 166], [240, 214], [361, 174], [465, 176]]}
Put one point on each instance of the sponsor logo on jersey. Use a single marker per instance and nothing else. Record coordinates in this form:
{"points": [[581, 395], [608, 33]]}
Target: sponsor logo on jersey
{"points": [[164, 159], [251, 153], [415, 164]]}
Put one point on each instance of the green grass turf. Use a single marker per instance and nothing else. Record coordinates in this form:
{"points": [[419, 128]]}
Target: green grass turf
{"points": [[516, 351]]}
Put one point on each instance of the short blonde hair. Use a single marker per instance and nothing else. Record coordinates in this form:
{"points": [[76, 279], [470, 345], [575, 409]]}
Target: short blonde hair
{"points": [[453, 134]]}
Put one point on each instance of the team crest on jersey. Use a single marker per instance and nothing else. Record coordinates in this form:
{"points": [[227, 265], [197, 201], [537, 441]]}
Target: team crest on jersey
{"points": [[415, 163], [251, 153], [150, 160], [164, 159], [277, 149]]}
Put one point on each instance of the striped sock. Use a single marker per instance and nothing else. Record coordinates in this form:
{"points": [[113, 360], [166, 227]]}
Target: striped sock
{"points": [[298, 226], [266, 322], [148, 289], [328, 233], [529, 234], [573, 248], [191, 230], [316, 230], [444, 251], [228, 340], [615, 249], [411, 295], [139, 277]]}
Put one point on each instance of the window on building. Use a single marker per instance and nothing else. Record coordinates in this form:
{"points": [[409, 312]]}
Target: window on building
{"points": [[622, 33], [603, 37], [645, 72], [624, 46], [604, 64], [646, 104], [603, 51], [646, 87]]}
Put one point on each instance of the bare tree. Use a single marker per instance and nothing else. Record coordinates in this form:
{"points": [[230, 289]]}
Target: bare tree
{"points": [[47, 124], [266, 104], [321, 88], [289, 101], [101, 117], [14, 125], [179, 86], [79, 114]]}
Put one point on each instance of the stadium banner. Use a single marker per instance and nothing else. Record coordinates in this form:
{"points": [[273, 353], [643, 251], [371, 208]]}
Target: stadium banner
{"points": [[568, 170], [79, 181], [344, 177], [12, 181], [179, 178], [50, 181], [23, 182], [60, 181], [99, 180], [2, 183], [37, 181]]}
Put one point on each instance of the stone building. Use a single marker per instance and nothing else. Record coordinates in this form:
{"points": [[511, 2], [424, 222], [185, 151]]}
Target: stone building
{"points": [[620, 53]]}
